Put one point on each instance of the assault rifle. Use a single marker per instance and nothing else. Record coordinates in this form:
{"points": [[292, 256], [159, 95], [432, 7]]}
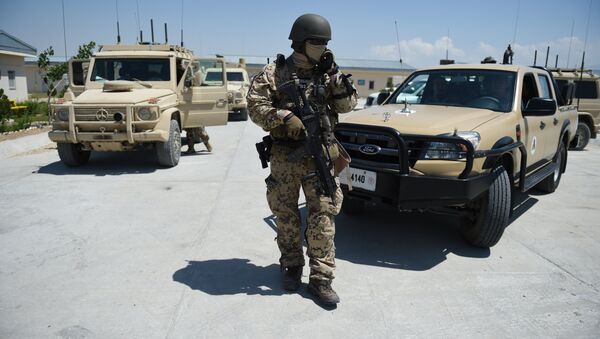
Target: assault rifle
{"points": [[313, 142]]}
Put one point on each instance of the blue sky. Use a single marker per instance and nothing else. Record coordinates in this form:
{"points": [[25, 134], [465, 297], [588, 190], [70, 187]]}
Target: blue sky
{"points": [[361, 29]]}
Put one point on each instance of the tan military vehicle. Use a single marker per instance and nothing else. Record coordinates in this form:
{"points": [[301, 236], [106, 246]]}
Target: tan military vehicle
{"points": [[238, 84], [587, 95], [474, 134], [134, 96]]}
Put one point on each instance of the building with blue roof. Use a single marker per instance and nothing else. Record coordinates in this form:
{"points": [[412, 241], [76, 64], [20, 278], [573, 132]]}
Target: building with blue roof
{"points": [[13, 77]]}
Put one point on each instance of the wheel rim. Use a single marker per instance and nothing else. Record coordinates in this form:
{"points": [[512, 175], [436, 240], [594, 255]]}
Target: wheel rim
{"points": [[580, 136]]}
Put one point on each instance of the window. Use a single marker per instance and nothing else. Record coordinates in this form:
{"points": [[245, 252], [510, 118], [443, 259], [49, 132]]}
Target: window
{"points": [[212, 73], [529, 90], [235, 76], [545, 87], [12, 84], [371, 84], [361, 82], [79, 68], [475, 88], [131, 69], [586, 89]]}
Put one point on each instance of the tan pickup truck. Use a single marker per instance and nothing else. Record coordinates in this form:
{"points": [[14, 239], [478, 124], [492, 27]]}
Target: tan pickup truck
{"points": [[472, 136], [131, 96]]}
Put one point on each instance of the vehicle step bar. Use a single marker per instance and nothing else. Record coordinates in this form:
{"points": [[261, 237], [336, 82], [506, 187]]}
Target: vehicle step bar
{"points": [[540, 175]]}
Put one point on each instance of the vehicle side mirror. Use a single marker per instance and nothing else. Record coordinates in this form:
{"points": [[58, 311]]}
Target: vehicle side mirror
{"points": [[382, 97], [540, 107]]}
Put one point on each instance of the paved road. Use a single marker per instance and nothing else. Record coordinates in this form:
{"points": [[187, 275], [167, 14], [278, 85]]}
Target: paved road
{"points": [[124, 249]]}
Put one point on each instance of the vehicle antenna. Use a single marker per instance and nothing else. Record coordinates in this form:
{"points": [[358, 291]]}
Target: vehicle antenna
{"points": [[547, 54], [64, 30], [570, 43], [516, 23], [535, 57], [152, 30], [141, 37], [181, 23], [447, 42], [587, 29], [556, 62], [137, 6], [398, 41], [166, 36], [118, 31]]}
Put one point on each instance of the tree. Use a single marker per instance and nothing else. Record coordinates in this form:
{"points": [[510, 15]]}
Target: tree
{"points": [[51, 74], [4, 106], [86, 51]]}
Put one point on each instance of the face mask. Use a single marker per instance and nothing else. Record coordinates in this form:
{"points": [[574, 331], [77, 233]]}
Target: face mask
{"points": [[314, 52]]}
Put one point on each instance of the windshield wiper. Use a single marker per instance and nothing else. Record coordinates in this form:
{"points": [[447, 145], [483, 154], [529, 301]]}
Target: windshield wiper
{"points": [[143, 83]]}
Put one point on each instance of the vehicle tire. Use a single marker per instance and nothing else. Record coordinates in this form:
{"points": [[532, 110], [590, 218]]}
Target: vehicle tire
{"points": [[353, 206], [550, 184], [244, 114], [582, 137], [492, 212], [169, 152], [72, 155]]}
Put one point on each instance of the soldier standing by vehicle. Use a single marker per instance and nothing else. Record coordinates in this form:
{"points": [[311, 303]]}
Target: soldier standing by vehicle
{"points": [[310, 63], [195, 135]]}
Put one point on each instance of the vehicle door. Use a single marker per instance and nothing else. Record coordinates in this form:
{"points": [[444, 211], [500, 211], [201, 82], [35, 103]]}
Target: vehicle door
{"points": [[533, 126], [550, 125], [78, 69], [205, 98]]}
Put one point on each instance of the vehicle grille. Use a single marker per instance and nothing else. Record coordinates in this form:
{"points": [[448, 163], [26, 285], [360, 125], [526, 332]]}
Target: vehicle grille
{"points": [[388, 156], [90, 113]]}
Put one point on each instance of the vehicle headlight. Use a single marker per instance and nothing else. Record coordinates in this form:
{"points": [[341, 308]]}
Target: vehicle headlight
{"points": [[230, 97], [449, 151], [62, 114], [147, 113], [473, 137]]}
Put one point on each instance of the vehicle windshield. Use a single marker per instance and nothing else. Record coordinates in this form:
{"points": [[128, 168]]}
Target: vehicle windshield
{"points": [[235, 76], [143, 69], [475, 88]]}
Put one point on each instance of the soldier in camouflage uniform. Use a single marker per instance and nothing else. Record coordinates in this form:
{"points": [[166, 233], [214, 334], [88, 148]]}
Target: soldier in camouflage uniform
{"points": [[195, 135], [270, 110]]}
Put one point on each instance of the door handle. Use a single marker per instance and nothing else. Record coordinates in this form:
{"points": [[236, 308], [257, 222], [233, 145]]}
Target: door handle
{"points": [[555, 121], [542, 125], [221, 102]]}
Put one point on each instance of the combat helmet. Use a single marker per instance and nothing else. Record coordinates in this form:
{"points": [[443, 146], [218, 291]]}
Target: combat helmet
{"points": [[310, 26]]}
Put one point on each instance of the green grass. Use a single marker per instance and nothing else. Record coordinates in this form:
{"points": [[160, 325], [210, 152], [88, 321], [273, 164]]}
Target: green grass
{"points": [[36, 111]]}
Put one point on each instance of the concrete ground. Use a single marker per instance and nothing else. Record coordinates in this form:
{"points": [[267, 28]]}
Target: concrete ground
{"points": [[122, 248]]}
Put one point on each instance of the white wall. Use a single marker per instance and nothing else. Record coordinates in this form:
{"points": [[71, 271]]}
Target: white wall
{"points": [[16, 64]]}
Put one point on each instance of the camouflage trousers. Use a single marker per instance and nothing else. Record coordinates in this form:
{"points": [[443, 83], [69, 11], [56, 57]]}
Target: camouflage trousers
{"points": [[283, 192], [196, 135]]}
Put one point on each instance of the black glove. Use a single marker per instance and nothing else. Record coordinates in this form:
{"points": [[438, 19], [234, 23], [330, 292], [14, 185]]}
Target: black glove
{"points": [[327, 63]]}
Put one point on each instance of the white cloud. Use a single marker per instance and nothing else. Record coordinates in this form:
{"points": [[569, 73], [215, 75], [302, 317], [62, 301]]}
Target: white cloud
{"points": [[417, 52]]}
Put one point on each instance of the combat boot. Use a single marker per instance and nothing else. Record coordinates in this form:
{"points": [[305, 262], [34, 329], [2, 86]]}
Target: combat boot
{"points": [[208, 146], [190, 149], [291, 278], [322, 290]]}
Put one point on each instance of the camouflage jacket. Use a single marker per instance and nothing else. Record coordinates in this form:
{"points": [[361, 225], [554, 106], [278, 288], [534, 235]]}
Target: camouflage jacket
{"points": [[264, 100]]}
